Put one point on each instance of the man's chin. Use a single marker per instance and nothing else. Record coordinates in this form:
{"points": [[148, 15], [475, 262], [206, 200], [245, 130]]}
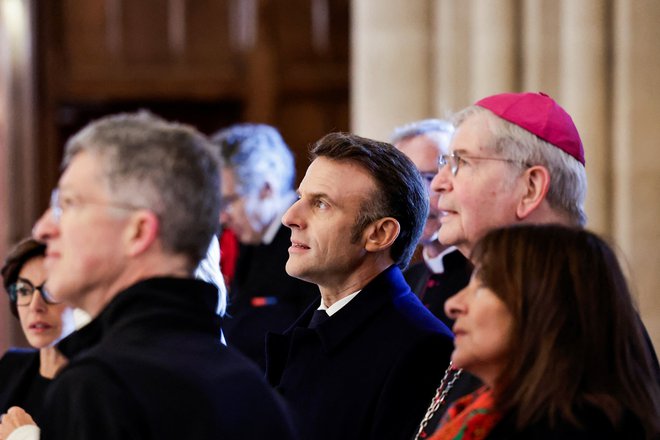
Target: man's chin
{"points": [[291, 269], [447, 239], [296, 272]]}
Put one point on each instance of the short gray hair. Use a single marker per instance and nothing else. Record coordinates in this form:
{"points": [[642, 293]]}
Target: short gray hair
{"points": [[568, 179], [257, 154], [436, 129], [167, 168]]}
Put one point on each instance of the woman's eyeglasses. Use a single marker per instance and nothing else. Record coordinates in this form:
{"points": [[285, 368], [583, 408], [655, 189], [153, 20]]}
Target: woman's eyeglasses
{"points": [[22, 291]]}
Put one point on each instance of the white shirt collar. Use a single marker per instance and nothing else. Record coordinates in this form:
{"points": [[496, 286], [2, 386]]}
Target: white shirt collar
{"points": [[337, 305], [437, 264]]}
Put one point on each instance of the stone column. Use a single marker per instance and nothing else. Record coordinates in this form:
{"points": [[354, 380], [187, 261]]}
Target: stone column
{"points": [[585, 94], [636, 153], [540, 46], [390, 68], [494, 53], [451, 65], [18, 171]]}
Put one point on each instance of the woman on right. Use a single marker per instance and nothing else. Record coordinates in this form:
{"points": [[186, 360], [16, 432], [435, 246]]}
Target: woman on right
{"points": [[548, 324]]}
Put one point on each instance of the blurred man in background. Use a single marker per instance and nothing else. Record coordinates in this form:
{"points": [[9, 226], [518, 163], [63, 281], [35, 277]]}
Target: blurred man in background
{"points": [[443, 270], [258, 174]]}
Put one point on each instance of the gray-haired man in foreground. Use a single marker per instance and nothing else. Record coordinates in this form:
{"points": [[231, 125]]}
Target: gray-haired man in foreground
{"points": [[132, 216]]}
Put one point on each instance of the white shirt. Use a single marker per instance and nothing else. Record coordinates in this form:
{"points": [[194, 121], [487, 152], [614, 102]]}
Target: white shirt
{"points": [[337, 305], [437, 264]]}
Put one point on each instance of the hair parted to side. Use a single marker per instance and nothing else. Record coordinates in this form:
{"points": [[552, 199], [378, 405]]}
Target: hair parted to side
{"points": [[400, 192], [568, 184], [577, 338], [21, 253], [257, 154], [165, 167]]}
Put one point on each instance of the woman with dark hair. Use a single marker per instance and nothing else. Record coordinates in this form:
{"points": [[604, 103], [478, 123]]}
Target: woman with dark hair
{"points": [[26, 373], [548, 324]]}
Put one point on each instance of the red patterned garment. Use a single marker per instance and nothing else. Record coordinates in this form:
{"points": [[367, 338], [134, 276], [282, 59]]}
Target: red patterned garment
{"points": [[469, 418]]}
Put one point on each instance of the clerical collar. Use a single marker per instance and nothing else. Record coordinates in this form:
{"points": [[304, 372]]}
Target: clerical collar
{"points": [[437, 264]]}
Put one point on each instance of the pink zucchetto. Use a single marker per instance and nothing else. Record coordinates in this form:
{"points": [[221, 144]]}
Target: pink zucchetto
{"points": [[539, 114]]}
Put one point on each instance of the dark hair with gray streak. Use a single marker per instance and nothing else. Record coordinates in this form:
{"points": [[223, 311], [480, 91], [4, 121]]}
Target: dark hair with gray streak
{"points": [[400, 192], [167, 168]]}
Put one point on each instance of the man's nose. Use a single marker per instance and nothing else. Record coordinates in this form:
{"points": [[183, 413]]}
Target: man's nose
{"points": [[442, 180], [46, 227], [37, 302], [291, 217], [455, 306]]}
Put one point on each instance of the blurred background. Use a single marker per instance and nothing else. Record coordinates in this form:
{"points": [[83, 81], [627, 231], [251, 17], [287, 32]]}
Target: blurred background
{"points": [[309, 67]]}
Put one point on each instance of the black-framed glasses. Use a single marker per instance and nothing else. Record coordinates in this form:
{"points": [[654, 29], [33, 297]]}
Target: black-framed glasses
{"points": [[22, 291], [58, 204], [454, 160]]}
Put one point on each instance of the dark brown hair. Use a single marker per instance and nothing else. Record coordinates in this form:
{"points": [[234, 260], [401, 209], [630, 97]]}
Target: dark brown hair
{"points": [[400, 192], [578, 339], [20, 254]]}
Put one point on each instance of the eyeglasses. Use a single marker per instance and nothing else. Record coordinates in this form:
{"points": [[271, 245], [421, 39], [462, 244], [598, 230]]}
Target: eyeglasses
{"points": [[454, 160], [58, 204], [22, 291]]}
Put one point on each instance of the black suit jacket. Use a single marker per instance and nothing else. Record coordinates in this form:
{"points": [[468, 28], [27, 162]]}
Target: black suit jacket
{"points": [[367, 372], [151, 366], [20, 382], [263, 297]]}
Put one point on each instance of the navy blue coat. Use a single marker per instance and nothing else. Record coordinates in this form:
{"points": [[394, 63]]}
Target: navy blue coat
{"points": [[367, 372], [263, 297], [151, 366]]}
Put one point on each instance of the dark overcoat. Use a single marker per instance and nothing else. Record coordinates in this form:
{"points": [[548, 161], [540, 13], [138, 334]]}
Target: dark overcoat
{"points": [[20, 382], [369, 371], [151, 366], [263, 297]]}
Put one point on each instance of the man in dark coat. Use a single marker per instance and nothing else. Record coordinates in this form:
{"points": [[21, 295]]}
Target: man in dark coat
{"points": [[364, 361], [443, 270], [257, 188], [515, 158], [133, 215]]}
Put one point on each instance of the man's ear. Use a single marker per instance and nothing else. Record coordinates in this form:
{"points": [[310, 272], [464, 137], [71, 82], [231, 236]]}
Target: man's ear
{"points": [[381, 234], [537, 182], [141, 231]]}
